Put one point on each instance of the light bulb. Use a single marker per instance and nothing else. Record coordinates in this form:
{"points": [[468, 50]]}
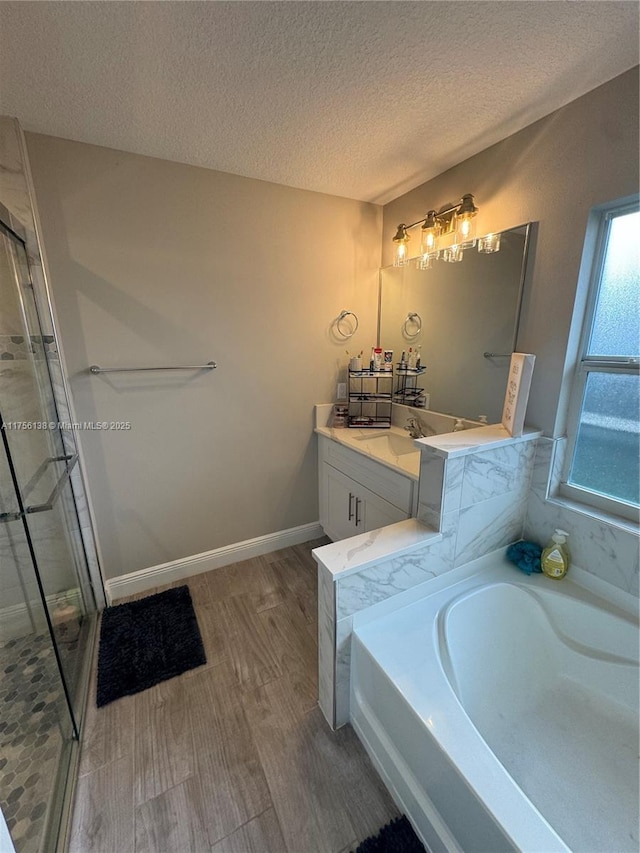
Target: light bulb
{"points": [[430, 231], [465, 221], [400, 258], [401, 239], [428, 240], [465, 230]]}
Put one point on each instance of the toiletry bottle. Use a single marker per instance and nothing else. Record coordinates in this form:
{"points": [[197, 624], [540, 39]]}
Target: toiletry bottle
{"points": [[418, 362], [403, 362], [411, 359], [555, 557], [378, 359]]}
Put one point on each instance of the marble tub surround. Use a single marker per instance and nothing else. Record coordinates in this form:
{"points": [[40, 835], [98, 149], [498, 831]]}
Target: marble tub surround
{"points": [[340, 598], [467, 474], [471, 440], [472, 502], [352, 555], [601, 545]]}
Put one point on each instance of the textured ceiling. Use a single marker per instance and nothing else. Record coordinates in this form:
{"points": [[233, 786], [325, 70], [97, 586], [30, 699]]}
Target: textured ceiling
{"points": [[359, 99]]}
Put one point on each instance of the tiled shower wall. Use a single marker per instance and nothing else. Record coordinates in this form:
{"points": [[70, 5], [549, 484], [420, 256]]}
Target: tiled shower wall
{"points": [[16, 347]]}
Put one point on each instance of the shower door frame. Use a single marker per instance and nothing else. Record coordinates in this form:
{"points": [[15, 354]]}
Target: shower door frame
{"points": [[59, 812], [42, 300]]}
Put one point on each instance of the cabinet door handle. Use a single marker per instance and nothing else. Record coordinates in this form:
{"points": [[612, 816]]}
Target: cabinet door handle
{"points": [[358, 502], [350, 510]]}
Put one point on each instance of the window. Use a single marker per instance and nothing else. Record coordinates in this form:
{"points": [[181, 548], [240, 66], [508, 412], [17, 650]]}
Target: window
{"points": [[604, 452]]}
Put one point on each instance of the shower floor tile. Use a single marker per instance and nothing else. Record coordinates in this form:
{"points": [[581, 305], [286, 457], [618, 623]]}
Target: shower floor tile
{"points": [[31, 706]]}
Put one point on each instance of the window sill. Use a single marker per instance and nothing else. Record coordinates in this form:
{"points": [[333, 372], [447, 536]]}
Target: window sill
{"points": [[593, 512]]}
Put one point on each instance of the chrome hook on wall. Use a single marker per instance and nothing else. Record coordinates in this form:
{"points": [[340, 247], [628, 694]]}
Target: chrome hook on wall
{"points": [[340, 321], [412, 326]]}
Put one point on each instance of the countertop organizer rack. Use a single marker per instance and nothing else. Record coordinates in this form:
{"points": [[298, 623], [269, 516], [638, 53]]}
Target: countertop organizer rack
{"points": [[370, 397], [407, 390]]}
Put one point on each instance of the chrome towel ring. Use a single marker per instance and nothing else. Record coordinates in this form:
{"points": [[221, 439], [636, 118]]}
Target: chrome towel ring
{"points": [[412, 326], [340, 320]]}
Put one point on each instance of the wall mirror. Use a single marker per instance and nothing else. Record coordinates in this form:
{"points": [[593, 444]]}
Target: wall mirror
{"points": [[464, 317]]}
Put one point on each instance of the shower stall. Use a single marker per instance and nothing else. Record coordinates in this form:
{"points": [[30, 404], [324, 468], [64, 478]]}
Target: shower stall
{"points": [[47, 599]]}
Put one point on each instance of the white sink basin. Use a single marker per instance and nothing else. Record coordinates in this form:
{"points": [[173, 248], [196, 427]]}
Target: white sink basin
{"points": [[389, 443]]}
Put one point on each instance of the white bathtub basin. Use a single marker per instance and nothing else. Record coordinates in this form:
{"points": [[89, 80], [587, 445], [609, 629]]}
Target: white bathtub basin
{"points": [[503, 713]]}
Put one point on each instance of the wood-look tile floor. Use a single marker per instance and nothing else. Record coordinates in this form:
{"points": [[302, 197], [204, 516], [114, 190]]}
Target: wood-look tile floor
{"points": [[235, 756]]}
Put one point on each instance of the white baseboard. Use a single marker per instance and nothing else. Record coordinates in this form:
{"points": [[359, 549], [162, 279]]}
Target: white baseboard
{"points": [[20, 620], [153, 576], [15, 621]]}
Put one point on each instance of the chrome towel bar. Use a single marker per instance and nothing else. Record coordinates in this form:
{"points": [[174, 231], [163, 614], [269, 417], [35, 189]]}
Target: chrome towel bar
{"points": [[210, 365]]}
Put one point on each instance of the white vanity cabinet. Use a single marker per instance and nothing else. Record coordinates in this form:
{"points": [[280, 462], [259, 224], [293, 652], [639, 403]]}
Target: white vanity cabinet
{"points": [[358, 493]]}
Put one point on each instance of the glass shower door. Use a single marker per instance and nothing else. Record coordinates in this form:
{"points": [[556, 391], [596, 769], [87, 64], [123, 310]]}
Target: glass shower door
{"points": [[36, 727], [44, 456], [43, 570]]}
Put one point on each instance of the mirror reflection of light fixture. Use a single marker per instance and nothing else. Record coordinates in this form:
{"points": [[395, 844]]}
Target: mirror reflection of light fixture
{"points": [[402, 251], [445, 234], [489, 243], [454, 254], [425, 262]]}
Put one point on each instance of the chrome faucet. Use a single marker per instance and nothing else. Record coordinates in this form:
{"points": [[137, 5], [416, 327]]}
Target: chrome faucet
{"points": [[414, 428]]}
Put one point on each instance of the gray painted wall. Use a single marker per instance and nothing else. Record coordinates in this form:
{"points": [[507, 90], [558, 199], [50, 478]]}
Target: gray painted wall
{"points": [[154, 262], [552, 172], [157, 262]]}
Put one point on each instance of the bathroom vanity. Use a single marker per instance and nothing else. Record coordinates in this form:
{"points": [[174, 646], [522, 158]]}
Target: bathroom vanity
{"points": [[368, 478]]}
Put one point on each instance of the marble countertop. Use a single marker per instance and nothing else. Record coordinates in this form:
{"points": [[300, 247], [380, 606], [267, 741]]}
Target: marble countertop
{"points": [[372, 443], [351, 555], [467, 441]]}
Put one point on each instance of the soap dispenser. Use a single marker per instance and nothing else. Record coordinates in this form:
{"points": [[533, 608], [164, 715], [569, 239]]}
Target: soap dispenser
{"points": [[555, 557]]}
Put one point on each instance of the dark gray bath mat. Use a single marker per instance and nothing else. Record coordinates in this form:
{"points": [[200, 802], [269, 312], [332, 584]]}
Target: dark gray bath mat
{"points": [[145, 642], [396, 837]]}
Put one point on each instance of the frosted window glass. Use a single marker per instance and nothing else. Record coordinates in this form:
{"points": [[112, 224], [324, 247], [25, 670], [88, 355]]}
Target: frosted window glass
{"points": [[616, 327], [607, 453]]}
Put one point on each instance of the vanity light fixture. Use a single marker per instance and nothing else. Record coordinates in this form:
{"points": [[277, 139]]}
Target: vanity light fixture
{"points": [[445, 234]]}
